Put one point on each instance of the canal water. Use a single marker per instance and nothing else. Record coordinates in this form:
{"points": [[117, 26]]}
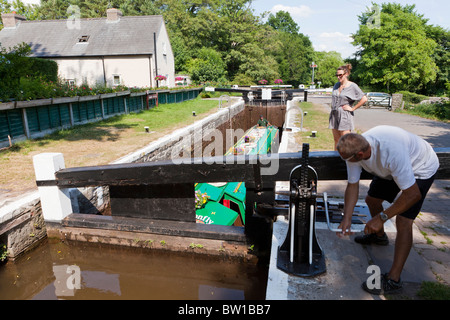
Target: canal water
{"points": [[79, 270]]}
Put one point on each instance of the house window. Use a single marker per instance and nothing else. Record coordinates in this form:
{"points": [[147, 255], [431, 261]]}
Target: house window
{"points": [[83, 39], [70, 82], [116, 80]]}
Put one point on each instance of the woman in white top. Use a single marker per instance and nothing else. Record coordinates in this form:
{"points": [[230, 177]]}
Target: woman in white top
{"points": [[345, 94]]}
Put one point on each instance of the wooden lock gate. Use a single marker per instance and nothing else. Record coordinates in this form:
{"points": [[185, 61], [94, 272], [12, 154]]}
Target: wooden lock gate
{"points": [[159, 196]]}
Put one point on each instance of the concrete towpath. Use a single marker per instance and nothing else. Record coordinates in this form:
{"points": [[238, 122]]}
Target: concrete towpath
{"points": [[437, 133], [347, 262]]}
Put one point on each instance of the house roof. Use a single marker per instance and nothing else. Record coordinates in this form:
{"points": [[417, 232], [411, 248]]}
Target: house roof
{"points": [[60, 38]]}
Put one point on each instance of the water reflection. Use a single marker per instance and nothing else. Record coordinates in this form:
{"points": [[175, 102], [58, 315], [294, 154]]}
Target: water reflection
{"points": [[69, 279], [58, 270]]}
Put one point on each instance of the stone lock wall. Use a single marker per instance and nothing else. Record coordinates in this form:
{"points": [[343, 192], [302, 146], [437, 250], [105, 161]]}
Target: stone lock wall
{"points": [[23, 229]]}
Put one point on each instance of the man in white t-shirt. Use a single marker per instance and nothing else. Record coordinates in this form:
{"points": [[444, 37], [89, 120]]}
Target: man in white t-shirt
{"points": [[399, 161]]}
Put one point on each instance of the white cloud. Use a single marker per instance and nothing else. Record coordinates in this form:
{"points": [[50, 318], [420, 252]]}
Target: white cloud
{"points": [[338, 36], [334, 41], [295, 12]]}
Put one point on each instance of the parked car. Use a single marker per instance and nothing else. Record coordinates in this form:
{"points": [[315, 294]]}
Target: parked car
{"points": [[379, 99]]}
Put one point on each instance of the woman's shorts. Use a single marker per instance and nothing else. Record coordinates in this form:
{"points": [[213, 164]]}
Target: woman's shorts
{"points": [[341, 120], [388, 190]]}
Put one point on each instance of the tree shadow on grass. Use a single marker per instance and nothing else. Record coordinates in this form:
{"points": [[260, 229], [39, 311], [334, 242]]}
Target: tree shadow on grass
{"points": [[105, 130]]}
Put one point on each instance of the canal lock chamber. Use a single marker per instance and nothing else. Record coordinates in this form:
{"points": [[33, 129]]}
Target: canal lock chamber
{"points": [[223, 204]]}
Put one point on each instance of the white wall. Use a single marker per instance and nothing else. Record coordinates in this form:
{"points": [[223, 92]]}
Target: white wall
{"points": [[166, 61], [81, 70], [133, 71]]}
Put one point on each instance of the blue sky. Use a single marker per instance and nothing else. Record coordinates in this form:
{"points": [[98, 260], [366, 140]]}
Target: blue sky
{"points": [[329, 23]]}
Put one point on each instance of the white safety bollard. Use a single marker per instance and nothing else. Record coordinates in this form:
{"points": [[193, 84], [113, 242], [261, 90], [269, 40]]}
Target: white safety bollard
{"points": [[55, 202]]}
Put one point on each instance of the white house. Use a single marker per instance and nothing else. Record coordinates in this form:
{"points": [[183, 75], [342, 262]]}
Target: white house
{"points": [[115, 50]]}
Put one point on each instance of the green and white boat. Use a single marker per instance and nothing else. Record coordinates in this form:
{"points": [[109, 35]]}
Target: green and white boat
{"points": [[224, 203]]}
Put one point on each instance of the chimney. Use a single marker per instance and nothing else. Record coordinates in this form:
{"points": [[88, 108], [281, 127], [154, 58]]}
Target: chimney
{"points": [[113, 14], [10, 20]]}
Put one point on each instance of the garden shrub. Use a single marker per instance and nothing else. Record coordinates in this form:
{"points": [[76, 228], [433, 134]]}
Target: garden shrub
{"points": [[411, 97], [46, 69]]}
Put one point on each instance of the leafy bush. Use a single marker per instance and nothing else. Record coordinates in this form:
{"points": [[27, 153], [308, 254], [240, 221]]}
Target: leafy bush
{"points": [[13, 66], [411, 97], [33, 88], [43, 68], [243, 80], [209, 66], [413, 105], [23, 77], [440, 111]]}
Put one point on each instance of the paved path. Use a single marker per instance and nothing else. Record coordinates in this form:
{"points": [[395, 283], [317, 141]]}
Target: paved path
{"points": [[437, 133]]}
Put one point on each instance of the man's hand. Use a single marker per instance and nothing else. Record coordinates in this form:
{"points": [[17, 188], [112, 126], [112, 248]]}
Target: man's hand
{"points": [[350, 199], [345, 226], [374, 225], [406, 200]]}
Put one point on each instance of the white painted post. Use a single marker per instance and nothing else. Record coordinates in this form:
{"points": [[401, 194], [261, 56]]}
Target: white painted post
{"points": [[55, 202], [72, 121], [125, 104], [26, 128]]}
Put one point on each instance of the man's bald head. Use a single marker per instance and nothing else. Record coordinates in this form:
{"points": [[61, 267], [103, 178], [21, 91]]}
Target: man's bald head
{"points": [[351, 143]]}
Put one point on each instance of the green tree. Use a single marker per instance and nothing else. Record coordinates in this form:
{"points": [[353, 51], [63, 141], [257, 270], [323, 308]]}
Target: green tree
{"points": [[295, 58], [5, 7], [295, 49], [228, 27], [139, 7], [327, 63], [53, 9], [181, 52], [208, 66], [254, 63], [282, 21], [26, 10], [57, 9], [29, 11], [14, 65], [441, 57], [397, 55]]}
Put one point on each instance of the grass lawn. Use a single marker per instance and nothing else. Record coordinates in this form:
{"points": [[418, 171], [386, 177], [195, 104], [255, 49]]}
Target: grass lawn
{"points": [[315, 120], [438, 111], [434, 291], [98, 143]]}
